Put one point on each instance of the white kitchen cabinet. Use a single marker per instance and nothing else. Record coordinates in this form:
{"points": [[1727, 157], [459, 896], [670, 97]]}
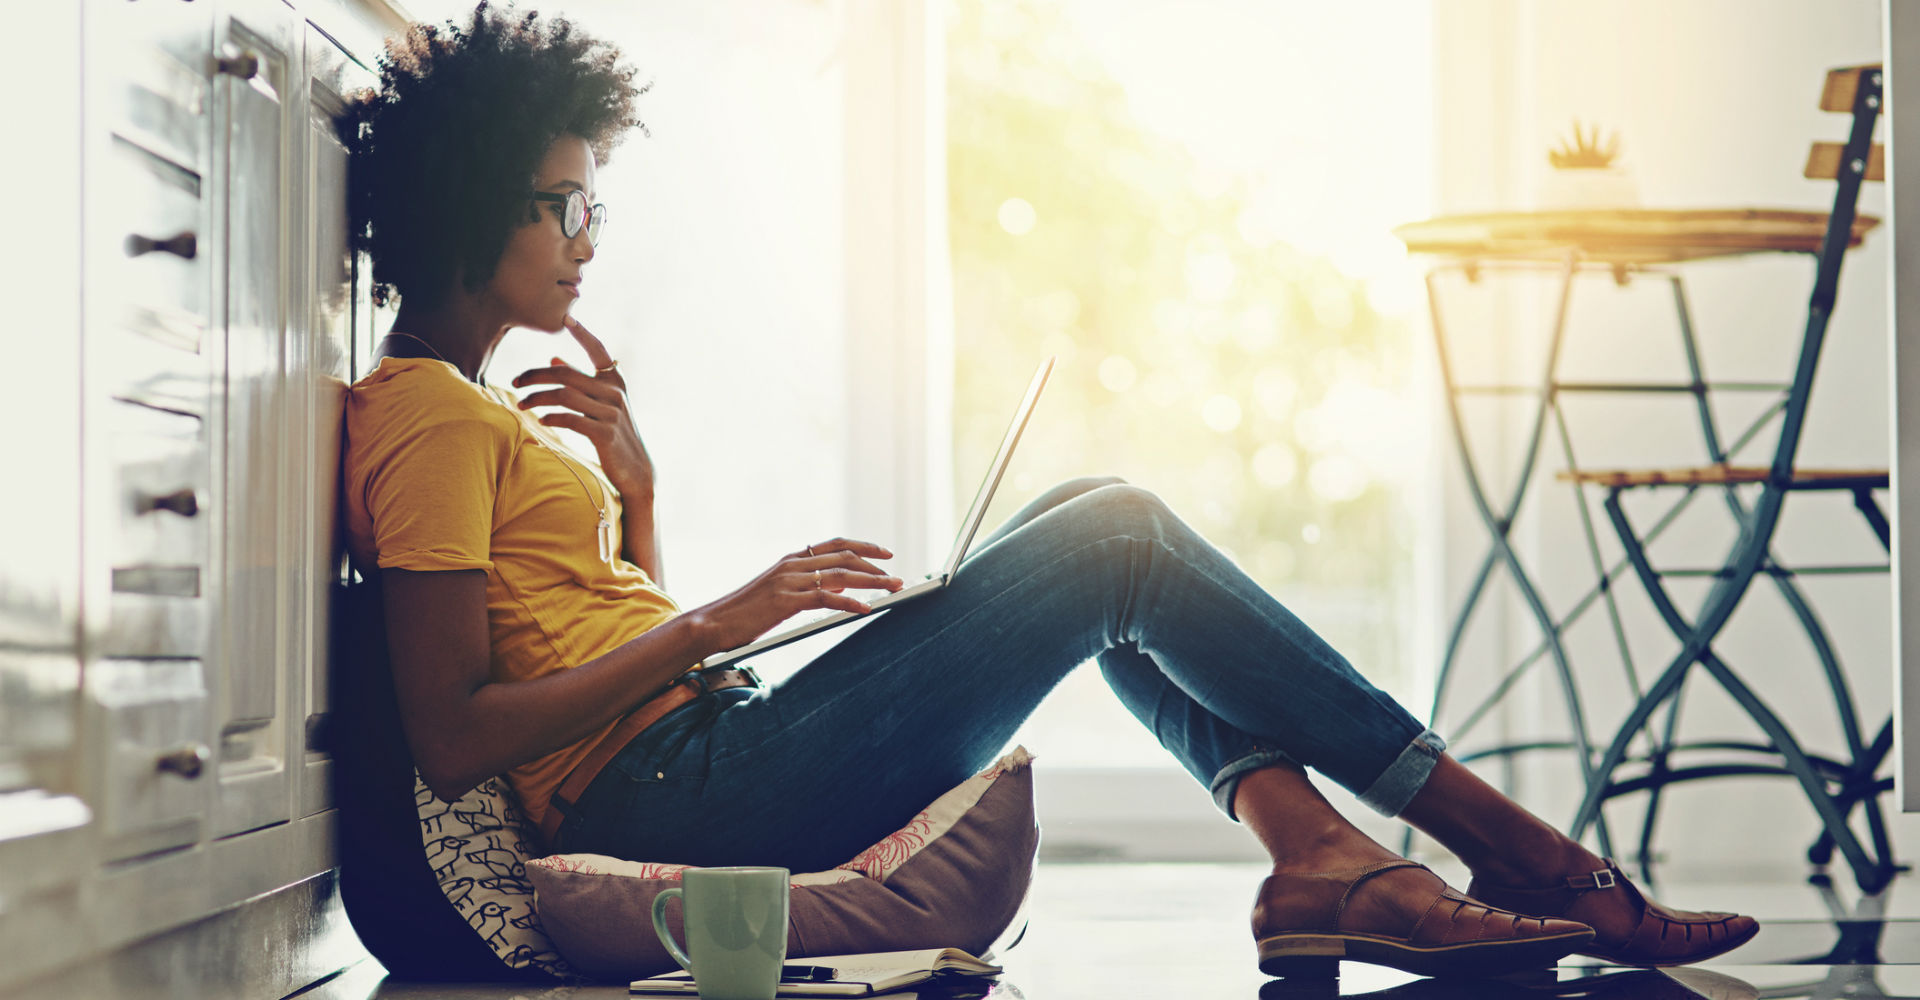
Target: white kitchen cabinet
{"points": [[189, 315]]}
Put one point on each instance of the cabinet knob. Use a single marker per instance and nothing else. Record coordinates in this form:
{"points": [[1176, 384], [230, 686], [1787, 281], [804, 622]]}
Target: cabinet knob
{"points": [[185, 503], [186, 760], [246, 65], [185, 246]]}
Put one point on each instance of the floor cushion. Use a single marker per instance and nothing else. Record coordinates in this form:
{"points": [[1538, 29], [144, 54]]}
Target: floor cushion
{"points": [[957, 875], [477, 847]]}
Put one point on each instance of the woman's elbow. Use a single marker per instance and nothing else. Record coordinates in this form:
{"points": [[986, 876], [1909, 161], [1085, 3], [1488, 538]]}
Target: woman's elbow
{"points": [[445, 776]]}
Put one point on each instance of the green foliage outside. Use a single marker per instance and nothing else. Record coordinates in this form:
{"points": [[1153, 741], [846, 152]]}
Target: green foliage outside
{"points": [[1241, 380]]}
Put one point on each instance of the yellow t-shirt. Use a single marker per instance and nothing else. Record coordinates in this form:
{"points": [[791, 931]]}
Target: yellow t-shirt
{"points": [[443, 474]]}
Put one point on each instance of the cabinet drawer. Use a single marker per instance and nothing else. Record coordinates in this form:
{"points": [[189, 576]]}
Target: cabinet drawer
{"points": [[156, 767], [160, 476], [180, 30], [156, 100], [150, 220], [156, 610], [151, 357]]}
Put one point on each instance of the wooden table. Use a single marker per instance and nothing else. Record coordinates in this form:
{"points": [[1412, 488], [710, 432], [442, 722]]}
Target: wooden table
{"points": [[1624, 236]]}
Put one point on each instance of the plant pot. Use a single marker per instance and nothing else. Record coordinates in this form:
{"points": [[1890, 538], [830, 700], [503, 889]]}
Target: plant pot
{"points": [[1586, 188]]}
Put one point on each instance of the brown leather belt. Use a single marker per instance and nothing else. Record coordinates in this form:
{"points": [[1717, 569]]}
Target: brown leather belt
{"points": [[684, 688]]}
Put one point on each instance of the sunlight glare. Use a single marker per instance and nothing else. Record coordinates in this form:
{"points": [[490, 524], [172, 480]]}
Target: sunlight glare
{"points": [[1210, 274], [1017, 216], [1117, 373], [1373, 427], [1274, 389], [1337, 478], [1332, 305], [1162, 387], [1274, 465], [1173, 317], [1220, 412], [1258, 328]]}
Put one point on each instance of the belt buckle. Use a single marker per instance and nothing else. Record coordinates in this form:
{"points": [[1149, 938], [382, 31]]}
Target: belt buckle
{"points": [[695, 680], [698, 675]]}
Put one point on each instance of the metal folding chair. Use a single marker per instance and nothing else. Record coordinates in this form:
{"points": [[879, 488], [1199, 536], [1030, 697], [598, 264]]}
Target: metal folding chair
{"points": [[1834, 787]]}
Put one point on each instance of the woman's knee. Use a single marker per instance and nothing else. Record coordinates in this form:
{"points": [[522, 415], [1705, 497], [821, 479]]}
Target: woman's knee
{"points": [[1073, 489], [1125, 508]]}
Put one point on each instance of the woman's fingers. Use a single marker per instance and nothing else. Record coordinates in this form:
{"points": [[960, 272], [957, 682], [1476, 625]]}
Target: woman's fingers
{"points": [[584, 426], [839, 561], [571, 398], [596, 351], [567, 375], [854, 546], [841, 602], [851, 579]]}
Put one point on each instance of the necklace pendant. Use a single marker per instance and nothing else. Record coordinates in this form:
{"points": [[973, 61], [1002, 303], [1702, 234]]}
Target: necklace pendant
{"points": [[606, 539]]}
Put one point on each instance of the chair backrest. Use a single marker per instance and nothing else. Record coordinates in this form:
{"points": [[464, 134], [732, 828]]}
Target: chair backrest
{"points": [[1838, 94], [1858, 87]]}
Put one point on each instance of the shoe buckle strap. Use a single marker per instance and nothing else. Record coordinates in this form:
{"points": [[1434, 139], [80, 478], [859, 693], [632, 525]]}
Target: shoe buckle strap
{"points": [[1602, 879]]}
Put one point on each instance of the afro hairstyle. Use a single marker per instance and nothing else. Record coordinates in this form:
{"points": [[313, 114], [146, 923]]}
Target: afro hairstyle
{"points": [[443, 153]]}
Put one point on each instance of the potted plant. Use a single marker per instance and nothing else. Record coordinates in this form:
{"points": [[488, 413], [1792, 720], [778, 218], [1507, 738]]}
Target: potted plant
{"points": [[1586, 174]]}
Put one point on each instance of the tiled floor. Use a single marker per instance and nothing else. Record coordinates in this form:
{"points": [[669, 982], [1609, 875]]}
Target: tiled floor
{"points": [[1181, 931]]}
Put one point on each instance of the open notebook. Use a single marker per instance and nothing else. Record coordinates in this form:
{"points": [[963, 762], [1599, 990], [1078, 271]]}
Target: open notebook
{"points": [[853, 975]]}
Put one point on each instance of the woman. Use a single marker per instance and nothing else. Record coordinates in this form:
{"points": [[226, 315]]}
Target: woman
{"points": [[529, 627]]}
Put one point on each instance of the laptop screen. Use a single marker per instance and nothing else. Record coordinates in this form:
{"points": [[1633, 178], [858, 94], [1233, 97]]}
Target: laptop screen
{"points": [[1000, 459]]}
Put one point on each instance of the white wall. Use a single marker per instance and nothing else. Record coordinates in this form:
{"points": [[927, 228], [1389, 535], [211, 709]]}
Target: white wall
{"points": [[718, 283], [1716, 103], [736, 281]]}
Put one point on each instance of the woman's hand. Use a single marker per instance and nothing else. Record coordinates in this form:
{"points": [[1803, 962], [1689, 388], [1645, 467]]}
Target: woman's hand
{"points": [[597, 405], [800, 581]]}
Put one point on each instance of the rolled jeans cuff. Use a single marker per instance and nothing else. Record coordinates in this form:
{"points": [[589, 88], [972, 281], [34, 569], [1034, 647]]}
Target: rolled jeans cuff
{"points": [[1402, 779], [1227, 781]]}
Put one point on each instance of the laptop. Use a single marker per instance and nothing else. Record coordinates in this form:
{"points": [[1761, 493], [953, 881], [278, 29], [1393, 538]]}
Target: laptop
{"points": [[934, 581]]}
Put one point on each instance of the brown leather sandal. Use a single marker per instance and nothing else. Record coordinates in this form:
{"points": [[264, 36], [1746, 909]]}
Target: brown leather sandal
{"points": [[1304, 927], [1662, 937]]}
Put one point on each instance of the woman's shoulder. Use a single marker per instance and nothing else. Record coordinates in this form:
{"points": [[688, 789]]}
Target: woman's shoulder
{"points": [[415, 393]]}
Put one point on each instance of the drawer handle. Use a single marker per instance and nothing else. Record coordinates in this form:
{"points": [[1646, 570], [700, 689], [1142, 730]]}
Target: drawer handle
{"points": [[246, 65], [185, 246], [185, 503], [157, 581], [186, 760]]}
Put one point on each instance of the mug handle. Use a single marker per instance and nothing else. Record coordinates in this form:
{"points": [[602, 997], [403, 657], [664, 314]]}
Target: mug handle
{"points": [[660, 926]]}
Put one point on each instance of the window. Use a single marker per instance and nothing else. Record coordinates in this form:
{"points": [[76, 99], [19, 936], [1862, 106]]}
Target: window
{"points": [[1191, 205]]}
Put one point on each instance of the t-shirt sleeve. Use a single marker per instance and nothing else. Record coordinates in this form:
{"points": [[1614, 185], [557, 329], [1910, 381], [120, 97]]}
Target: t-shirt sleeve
{"points": [[431, 499]]}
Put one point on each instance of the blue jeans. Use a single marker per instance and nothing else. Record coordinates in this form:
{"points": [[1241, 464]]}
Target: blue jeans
{"points": [[817, 768]]}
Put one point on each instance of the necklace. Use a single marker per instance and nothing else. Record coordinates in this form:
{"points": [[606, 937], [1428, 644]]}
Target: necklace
{"points": [[436, 353], [605, 529]]}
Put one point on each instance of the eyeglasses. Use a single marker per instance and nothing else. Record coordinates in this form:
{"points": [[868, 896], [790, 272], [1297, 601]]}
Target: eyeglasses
{"points": [[575, 214]]}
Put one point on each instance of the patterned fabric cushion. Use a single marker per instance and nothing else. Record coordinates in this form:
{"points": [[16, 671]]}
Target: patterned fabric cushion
{"points": [[957, 875], [478, 848]]}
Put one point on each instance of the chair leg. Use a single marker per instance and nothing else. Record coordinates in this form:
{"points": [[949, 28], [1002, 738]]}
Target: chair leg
{"points": [[1499, 523], [1871, 874], [1863, 788], [1868, 872]]}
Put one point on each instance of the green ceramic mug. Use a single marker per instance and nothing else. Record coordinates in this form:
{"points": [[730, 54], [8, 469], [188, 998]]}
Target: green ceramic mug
{"points": [[736, 926]]}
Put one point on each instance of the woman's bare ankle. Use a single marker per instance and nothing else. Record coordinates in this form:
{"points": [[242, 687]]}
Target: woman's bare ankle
{"points": [[1341, 854], [1542, 858]]}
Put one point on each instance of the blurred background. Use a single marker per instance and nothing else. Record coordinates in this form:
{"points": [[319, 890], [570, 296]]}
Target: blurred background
{"points": [[855, 226], [1177, 200]]}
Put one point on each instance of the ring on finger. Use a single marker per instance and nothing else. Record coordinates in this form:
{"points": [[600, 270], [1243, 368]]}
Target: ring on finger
{"points": [[611, 365], [809, 550], [816, 579]]}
